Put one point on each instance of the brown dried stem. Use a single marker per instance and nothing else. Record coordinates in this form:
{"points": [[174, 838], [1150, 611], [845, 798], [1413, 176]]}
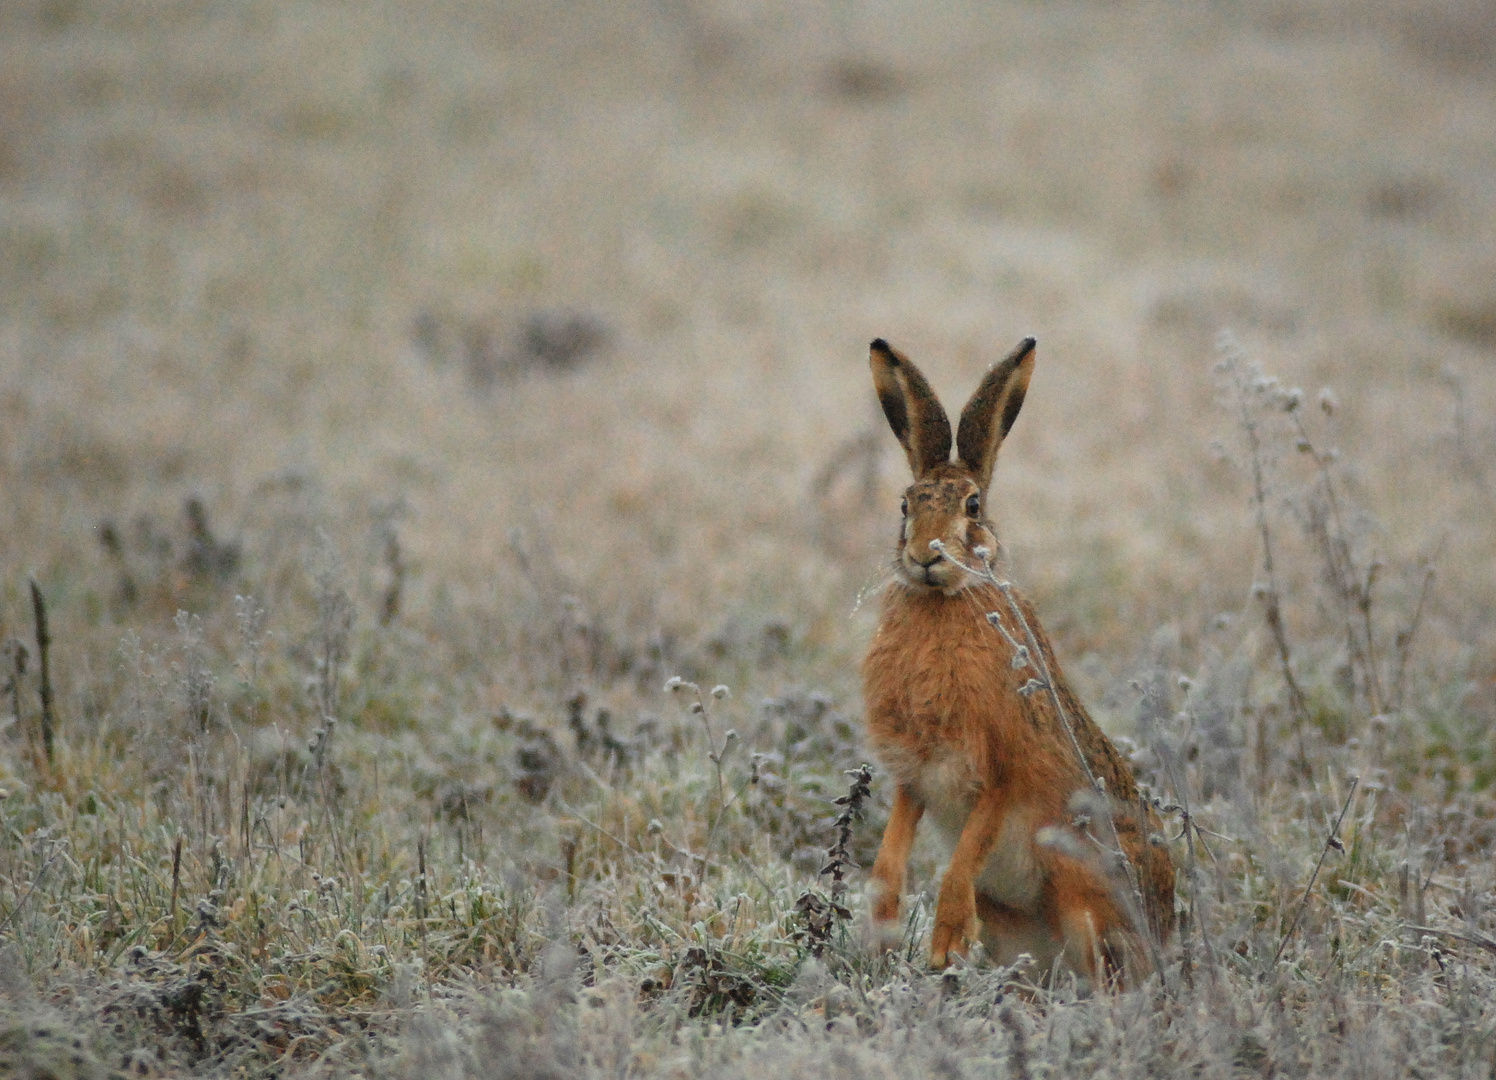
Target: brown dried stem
{"points": [[44, 671]]}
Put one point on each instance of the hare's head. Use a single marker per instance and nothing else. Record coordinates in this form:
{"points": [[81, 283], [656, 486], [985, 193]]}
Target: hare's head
{"points": [[945, 509]]}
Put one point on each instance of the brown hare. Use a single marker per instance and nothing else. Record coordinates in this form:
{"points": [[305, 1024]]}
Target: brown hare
{"points": [[984, 735]]}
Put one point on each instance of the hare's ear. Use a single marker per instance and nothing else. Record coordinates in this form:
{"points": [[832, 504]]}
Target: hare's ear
{"points": [[914, 413], [990, 413]]}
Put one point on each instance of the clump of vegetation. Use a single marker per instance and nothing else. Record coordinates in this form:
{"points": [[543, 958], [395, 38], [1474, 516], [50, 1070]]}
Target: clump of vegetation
{"points": [[823, 913]]}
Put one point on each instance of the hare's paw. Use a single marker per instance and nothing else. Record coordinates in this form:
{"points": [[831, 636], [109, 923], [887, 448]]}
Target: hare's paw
{"points": [[953, 937], [885, 903], [888, 935], [956, 923], [888, 929]]}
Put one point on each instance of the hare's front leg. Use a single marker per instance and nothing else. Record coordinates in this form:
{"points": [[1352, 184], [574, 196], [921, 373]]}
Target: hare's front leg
{"points": [[888, 869], [956, 923]]}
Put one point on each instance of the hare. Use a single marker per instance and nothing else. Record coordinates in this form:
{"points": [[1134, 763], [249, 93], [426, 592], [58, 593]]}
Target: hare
{"points": [[969, 712]]}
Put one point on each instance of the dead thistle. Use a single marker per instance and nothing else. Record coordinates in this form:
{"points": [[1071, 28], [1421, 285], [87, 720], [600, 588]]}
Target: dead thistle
{"points": [[822, 914]]}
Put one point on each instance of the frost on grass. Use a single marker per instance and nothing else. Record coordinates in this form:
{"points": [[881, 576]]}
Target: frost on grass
{"points": [[669, 882], [240, 865]]}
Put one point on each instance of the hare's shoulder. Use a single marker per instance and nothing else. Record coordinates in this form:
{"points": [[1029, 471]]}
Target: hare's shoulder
{"points": [[1102, 755]]}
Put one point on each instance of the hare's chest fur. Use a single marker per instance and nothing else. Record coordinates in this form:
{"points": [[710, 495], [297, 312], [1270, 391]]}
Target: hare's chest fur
{"points": [[944, 717], [939, 692]]}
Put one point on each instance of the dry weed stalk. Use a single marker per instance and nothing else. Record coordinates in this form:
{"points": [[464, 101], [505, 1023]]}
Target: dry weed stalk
{"points": [[197, 677], [716, 754], [1192, 832], [250, 618], [176, 887], [389, 606], [44, 669], [36, 880], [127, 591], [1351, 580], [823, 914], [16, 656], [1471, 450], [1247, 386], [1332, 840], [1375, 671], [334, 624]]}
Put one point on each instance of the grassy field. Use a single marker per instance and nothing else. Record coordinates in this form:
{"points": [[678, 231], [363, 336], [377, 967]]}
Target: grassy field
{"points": [[394, 396]]}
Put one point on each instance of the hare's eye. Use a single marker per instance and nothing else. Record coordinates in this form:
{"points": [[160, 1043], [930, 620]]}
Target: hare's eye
{"points": [[974, 506], [904, 507]]}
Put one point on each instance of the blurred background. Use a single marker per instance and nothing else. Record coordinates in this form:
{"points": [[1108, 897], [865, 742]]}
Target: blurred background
{"points": [[542, 306]]}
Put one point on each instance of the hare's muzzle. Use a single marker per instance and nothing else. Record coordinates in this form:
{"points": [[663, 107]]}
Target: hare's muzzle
{"points": [[933, 567]]}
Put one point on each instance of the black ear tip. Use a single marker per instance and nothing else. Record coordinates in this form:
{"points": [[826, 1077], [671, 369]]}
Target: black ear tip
{"points": [[881, 346], [1026, 346]]}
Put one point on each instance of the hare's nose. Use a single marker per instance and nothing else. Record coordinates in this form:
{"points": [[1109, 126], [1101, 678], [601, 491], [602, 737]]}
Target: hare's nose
{"points": [[925, 563]]}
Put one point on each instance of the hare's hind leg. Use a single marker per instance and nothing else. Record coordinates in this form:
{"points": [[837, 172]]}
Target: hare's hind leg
{"points": [[889, 868], [1007, 934], [1098, 941]]}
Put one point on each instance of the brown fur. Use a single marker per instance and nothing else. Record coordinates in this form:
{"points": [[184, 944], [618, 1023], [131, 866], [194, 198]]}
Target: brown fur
{"points": [[994, 769]]}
